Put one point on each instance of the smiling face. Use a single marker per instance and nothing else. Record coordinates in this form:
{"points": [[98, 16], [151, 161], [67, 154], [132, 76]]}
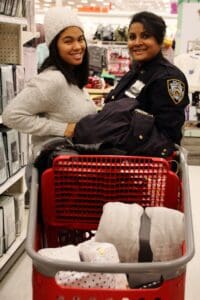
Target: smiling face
{"points": [[142, 45], [71, 45]]}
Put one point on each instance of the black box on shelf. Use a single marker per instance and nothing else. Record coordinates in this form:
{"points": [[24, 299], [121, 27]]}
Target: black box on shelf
{"points": [[9, 231], [3, 162], [11, 144]]}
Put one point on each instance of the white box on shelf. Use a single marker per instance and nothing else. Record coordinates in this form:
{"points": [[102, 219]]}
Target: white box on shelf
{"points": [[23, 148], [11, 143], [8, 207], [1, 232], [3, 163], [7, 84], [19, 210]]}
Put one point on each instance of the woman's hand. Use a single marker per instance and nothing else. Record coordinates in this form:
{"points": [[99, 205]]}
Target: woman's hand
{"points": [[69, 131]]}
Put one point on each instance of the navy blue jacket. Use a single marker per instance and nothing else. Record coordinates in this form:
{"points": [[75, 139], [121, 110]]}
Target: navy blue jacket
{"points": [[161, 90], [147, 117]]}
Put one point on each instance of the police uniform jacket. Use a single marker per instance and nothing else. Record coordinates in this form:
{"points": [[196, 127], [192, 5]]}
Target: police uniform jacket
{"points": [[143, 115], [161, 90]]}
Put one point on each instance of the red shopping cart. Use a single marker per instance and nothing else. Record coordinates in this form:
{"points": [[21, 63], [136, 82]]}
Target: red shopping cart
{"points": [[73, 192]]}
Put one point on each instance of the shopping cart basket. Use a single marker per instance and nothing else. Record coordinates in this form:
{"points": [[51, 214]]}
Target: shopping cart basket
{"points": [[73, 192]]}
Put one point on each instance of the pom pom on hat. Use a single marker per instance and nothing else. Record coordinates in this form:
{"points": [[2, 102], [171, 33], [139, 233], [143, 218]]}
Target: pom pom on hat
{"points": [[57, 19]]}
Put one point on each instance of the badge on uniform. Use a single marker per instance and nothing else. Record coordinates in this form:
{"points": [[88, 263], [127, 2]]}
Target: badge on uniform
{"points": [[176, 89]]}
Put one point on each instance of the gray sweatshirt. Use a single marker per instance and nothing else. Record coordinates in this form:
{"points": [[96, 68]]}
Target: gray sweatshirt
{"points": [[45, 107]]}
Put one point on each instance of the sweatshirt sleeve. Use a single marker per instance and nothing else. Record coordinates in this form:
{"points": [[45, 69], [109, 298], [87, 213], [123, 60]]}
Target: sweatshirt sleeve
{"points": [[28, 112]]}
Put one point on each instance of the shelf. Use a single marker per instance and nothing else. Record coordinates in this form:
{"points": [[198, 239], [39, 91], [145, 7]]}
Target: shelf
{"points": [[99, 91], [119, 60], [192, 132], [28, 36], [17, 248], [13, 20], [11, 180], [194, 88]]}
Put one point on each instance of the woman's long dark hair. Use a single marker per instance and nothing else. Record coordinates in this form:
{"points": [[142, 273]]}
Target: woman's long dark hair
{"points": [[77, 75]]}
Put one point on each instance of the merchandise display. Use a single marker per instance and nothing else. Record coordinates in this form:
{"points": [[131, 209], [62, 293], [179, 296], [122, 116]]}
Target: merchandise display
{"points": [[15, 21]]}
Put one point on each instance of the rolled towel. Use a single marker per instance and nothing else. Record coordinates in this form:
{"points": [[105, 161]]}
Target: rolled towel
{"points": [[85, 279], [69, 252], [119, 225], [166, 233], [103, 253]]}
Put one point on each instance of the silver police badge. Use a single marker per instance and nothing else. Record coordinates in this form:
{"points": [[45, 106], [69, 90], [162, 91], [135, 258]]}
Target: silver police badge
{"points": [[176, 89]]}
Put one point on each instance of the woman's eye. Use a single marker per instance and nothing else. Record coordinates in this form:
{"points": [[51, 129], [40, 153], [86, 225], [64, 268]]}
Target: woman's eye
{"points": [[67, 41], [145, 35], [82, 39], [131, 37]]}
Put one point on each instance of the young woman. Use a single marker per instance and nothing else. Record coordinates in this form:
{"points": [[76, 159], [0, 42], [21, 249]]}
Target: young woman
{"points": [[54, 100]]}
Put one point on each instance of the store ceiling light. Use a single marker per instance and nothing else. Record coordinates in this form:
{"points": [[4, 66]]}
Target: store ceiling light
{"points": [[161, 7]]}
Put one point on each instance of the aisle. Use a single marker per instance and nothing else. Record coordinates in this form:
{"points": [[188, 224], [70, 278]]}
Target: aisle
{"points": [[17, 284], [193, 270]]}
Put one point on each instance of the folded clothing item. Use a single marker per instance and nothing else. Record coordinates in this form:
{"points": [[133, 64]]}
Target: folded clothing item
{"points": [[103, 253], [69, 252], [89, 251], [119, 225], [166, 233]]}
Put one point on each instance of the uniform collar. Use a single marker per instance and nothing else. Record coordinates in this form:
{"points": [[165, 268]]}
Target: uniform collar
{"points": [[137, 66]]}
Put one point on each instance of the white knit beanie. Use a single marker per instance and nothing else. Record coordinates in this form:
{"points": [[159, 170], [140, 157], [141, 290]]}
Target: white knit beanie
{"points": [[58, 18]]}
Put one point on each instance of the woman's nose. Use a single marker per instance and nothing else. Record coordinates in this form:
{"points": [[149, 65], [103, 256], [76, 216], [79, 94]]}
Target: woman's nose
{"points": [[137, 40], [76, 45]]}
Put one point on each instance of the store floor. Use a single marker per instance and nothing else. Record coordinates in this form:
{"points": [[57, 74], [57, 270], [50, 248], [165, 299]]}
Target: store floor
{"points": [[17, 283]]}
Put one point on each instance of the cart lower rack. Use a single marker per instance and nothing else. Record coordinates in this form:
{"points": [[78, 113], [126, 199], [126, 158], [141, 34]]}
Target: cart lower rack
{"points": [[72, 194]]}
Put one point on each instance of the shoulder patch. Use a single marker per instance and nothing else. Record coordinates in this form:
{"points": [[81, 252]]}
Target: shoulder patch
{"points": [[176, 89]]}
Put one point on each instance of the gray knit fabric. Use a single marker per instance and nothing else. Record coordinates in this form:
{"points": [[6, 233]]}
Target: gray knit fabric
{"points": [[45, 107], [58, 18]]}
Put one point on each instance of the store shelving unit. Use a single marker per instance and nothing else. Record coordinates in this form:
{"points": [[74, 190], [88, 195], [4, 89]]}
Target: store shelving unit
{"points": [[12, 39], [14, 184]]}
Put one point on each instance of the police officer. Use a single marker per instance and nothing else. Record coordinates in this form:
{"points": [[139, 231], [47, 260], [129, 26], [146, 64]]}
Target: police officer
{"points": [[160, 87]]}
